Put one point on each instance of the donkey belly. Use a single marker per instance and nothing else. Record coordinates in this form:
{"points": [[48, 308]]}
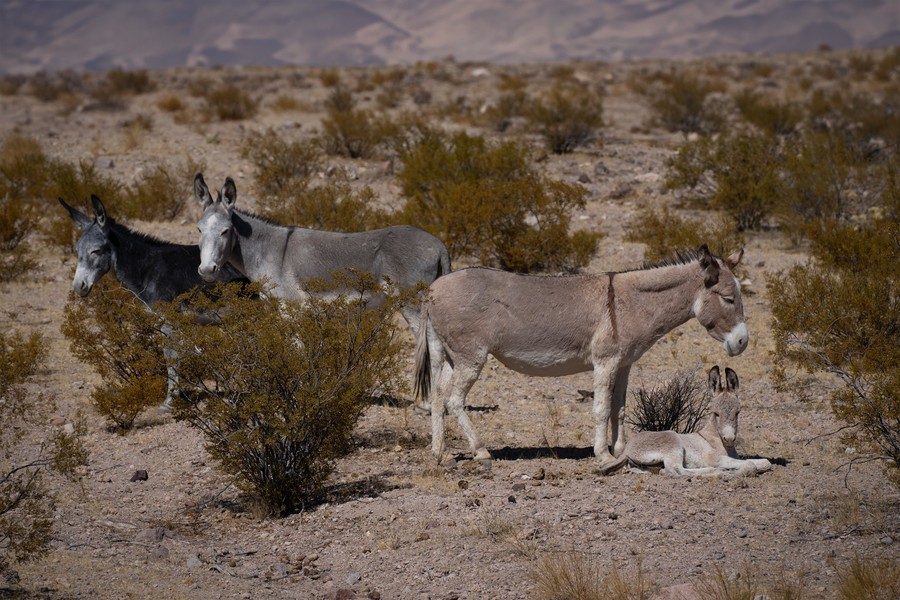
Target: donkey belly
{"points": [[544, 363]]}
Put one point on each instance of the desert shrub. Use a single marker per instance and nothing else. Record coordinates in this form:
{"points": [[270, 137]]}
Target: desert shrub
{"points": [[160, 193], [283, 169], [484, 200], [228, 102], [678, 404], [74, 183], [679, 101], [18, 218], [286, 103], [24, 168], [277, 401], [11, 84], [351, 132], [571, 576], [48, 88], [772, 116], [566, 116], [839, 314], [859, 117], [869, 580], [666, 233], [111, 330], [329, 78], [130, 82], [889, 65], [331, 206], [738, 173], [170, 103]]}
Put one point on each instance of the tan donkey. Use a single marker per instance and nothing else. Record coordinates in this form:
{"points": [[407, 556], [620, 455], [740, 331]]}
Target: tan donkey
{"points": [[561, 325], [709, 451]]}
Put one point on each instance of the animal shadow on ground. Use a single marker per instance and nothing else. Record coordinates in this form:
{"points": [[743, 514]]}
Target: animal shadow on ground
{"points": [[537, 452]]}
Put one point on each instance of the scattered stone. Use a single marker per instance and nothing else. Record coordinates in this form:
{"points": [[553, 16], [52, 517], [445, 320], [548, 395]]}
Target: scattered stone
{"points": [[58, 421], [518, 486], [374, 595], [139, 475], [352, 578], [742, 533], [159, 552], [620, 191], [801, 423], [68, 429], [154, 535], [463, 484], [279, 569], [344, 594], [194, 562], [104, 163], [887, 540], [539, 475], [511, 499], [583, 178], [648, 178], [600, 170]]}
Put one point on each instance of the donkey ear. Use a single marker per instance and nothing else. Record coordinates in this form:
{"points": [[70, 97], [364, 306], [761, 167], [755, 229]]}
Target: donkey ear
{"points": [[709, 266], [99, 212], [732, 261], [81, 220], [713, 380], [731, 379], [201, 191], [229, 193]]}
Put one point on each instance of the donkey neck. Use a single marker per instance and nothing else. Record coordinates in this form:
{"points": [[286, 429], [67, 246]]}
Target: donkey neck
{"points": [[650, 303], [260, 246], [130, 257], [710, 433]]}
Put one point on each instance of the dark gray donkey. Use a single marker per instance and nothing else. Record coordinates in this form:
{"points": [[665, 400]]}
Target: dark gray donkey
{"points": [[289, 256], [151, 269]]}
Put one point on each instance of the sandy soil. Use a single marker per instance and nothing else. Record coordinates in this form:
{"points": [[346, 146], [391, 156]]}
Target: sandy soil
{"points": [[397, 524]]}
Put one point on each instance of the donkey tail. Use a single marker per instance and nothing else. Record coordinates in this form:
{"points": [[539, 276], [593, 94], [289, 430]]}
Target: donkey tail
{"points": [[422, 377], [611, 467], [444, 263]]}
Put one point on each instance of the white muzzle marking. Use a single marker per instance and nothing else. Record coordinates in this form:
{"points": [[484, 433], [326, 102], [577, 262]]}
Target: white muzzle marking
{"points": [[728, 436], [736, 340]]}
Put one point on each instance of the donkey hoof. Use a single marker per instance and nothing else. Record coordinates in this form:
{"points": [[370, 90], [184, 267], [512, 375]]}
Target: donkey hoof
{"points": [[421, 409], [604, 460], [482, 455]]}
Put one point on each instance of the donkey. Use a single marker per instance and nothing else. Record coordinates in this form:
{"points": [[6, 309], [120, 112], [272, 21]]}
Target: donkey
{"points": [[561, 325], [288, 256], [151, 269], [709, 451]]}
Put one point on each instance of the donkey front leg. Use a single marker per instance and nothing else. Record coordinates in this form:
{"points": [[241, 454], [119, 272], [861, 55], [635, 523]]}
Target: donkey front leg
{"points": [[617, 418], [604, 381]]}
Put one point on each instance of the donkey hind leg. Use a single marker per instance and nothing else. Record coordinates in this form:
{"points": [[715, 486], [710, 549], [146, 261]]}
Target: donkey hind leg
{"points": [[617, 418], [461, 381], [437, 408], [604, 380], [171, 356], [411, 314], [439, 367], [674, 466]]}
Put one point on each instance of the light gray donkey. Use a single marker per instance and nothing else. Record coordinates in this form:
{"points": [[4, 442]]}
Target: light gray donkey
{"points": [[561, 325], [289, 256], [709, 451]]}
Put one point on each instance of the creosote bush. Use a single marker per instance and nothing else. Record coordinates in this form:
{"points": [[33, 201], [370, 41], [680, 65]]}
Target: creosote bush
{"points": [[769, 115], [566, 116], [160, 193], [839, 315], [352, 132], [111, 330], [280, 384], [678, 404], [680, 101], [484, 200], [665, 233], [283, 168], [26, 506], [331, 206], [228, 102]]}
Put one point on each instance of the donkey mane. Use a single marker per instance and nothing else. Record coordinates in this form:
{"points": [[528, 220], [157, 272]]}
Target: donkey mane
{"points": [[681, 257], [127, 232]]}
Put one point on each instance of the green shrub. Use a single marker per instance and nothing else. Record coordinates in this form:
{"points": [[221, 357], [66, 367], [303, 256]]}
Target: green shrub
{"points": [[666, 233], [161, 193], [484, 200], [839, 314], [738, 173], [278, 401], [678, 404], [23, 168], [18, 218], [567, 116], [777, 118], [679, 100], [283, 168], [111, 330], [331, 206], [228, 102]]}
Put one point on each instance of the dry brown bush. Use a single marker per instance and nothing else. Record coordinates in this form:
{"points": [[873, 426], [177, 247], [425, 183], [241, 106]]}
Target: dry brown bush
{"points": [[566, 116], [572, 576], [228, 102], [161, 192], [666, 233], [678, 404]]}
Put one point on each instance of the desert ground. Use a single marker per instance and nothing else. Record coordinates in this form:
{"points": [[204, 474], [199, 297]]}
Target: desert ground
{"points": [[397, 524]]}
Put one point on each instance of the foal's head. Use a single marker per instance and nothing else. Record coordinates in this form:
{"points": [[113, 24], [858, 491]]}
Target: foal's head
{"points": [[725, 407], [95, 253], [217, 233], [718, 306]]}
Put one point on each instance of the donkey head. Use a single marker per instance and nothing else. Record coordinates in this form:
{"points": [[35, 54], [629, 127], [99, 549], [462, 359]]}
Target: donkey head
{"points": [[217, 234], [718, 305], [95, 253], [725, 407]]}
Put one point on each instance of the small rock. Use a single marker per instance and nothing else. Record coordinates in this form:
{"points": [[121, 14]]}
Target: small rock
{"points": [[583, 178], [742, 533], [159, 552], [104, 163], [612, 516], [511, 499], [68, 429], [374, 595], [154, 535], [58, 421], [518, 486], [600, 170], [648, 177], [11, 577], [344, 594], [279, 569], [801, 423], [352, 578], [139, 475], [194, 562], [462, 484], [887, 540], [539, 475]]}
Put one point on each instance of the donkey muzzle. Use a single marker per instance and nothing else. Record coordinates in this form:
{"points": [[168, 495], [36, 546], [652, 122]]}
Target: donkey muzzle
{"points": [[736, 340]]}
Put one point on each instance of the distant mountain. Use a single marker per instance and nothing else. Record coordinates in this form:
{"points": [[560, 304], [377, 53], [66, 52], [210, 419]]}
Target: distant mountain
{"points": [[100, 34]]}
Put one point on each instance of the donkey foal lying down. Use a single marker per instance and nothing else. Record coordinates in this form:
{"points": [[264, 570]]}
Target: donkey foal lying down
{"points": [[709, 451]]}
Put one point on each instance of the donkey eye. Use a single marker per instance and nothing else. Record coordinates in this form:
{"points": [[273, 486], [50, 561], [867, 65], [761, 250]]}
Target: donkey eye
{"points": [[728, 300], [226, 232]]}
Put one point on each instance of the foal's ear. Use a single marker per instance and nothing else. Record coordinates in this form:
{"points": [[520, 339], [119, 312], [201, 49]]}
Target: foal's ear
{"points": [[229, 193], [732, 261], [99, 212], [731, 380], [709, 266], [714, 380], [81, 220], [201, 191]]}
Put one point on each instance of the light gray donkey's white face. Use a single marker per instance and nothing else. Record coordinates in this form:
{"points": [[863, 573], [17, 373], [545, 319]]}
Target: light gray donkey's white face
{"points": [[95, 253], [725, 406], [216, 229], [719, 306]]}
